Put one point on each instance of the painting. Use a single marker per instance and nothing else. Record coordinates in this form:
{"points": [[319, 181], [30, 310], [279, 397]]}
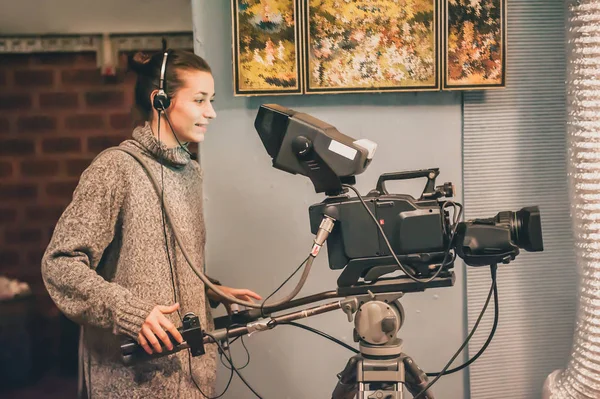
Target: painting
{"points": [[266, 56], [475, 44], [371, 45]]}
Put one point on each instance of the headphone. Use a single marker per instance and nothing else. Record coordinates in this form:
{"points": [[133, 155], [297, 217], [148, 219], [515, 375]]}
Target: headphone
{"points": [[161, 100]]}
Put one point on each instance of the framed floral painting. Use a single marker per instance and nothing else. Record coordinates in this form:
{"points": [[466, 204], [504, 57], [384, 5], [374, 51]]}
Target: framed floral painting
{"points": [[266, 47], [475, 44], [371, 45]]}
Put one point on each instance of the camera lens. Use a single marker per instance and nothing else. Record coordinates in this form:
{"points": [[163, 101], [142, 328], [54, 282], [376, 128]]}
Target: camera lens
{"points": [[529, 228], [525, 227]]}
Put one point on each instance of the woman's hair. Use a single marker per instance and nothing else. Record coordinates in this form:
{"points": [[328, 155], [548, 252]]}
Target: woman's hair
{"points": [[148, 68]]}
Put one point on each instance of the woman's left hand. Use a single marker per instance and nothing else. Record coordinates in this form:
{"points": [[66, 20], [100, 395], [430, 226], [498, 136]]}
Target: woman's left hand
{"points": [[239, 293]]}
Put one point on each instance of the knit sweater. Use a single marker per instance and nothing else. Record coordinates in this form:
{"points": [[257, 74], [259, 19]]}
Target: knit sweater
{"points": [[106, 268]]}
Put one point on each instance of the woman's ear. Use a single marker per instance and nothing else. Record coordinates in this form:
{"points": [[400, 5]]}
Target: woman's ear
{"points": [[159, 100], [153, 95]]}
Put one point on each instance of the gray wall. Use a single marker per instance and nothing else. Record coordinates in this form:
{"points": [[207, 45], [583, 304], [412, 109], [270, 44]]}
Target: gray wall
{"points": [[257, 219], [515, 156]]}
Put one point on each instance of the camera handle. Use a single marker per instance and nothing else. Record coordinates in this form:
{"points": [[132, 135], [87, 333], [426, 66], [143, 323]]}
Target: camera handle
{"points": [[193, 339], [430, 174]]}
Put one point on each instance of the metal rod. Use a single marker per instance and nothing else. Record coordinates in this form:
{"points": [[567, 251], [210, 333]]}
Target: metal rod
{"points": [[270, 323]]}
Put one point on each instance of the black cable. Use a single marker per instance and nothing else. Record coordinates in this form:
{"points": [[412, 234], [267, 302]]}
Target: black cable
{"points": [[173, 131], [487, 342], [233, 367], [229, 343], [451, 371], [322, 334], [229, 350], [441, 373], [162, 203], [247, 353], [164, 223], [90, 373], [389, 246], [230, 374], [197, 386], [262, 305]]}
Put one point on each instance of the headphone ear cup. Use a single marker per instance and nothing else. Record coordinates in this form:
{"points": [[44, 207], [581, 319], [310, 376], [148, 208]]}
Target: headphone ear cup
{"points": [[161, 101]]}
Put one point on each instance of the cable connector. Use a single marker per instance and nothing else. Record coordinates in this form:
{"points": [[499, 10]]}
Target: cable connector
{"points": [[325, 229]]}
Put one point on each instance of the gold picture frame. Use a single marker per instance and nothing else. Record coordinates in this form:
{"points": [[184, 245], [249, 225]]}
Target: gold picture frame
{"points": [[266, 47], [474, 44], [371, 46]]}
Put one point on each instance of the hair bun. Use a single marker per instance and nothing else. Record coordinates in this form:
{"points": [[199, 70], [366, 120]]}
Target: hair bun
{"points": [[140, 63]]}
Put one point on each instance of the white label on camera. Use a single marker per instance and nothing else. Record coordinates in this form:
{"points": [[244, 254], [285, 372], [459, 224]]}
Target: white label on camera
{"points": [[342, 149]]}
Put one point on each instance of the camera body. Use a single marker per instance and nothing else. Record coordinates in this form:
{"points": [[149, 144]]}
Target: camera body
{"points": [[413, 227], [419, 232]]}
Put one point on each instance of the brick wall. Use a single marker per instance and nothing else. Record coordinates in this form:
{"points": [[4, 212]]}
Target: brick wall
{"points": [[56, 113]]}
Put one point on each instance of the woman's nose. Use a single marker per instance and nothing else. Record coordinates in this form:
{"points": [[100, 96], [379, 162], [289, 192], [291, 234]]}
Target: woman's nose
{"points": [[210, 112]]}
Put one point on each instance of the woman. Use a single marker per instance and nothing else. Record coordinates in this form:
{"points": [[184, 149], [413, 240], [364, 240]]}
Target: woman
{"points": [[113, 264]]}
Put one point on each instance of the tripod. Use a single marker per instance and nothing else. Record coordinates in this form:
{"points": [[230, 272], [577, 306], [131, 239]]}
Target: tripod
{"points": [[381, 370]]}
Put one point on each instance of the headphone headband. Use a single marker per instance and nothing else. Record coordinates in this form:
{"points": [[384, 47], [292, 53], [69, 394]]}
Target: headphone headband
{"points": [[163, 68], [161, 100]]}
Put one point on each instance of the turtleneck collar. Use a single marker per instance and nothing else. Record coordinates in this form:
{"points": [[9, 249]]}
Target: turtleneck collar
{"points": [[175, 156]]}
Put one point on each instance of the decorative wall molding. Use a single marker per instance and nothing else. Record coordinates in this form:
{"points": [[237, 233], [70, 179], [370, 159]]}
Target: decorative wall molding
{"points": [[106, 46]]}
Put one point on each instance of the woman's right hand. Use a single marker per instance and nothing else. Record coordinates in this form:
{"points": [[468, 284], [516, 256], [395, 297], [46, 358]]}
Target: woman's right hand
{"points": [[154, 328]]}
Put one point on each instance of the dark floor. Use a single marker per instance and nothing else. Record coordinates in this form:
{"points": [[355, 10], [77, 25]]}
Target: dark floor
{"points": [[50, 386]]}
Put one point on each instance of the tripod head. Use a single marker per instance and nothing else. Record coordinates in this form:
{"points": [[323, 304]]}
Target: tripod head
{"points": [[381, 370]]}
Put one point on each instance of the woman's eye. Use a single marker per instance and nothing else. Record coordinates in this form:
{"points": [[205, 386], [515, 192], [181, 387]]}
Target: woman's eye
{"points": [[200, 101]]}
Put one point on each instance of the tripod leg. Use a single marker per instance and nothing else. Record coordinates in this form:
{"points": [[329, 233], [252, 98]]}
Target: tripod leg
{"points": [[416, 379], [346, 386]]}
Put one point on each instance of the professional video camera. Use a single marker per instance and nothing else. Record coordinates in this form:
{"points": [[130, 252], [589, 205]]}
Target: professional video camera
{"points": [[420, 232], [369, 238]]}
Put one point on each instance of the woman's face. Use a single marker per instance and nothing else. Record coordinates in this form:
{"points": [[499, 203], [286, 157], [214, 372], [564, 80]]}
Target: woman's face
{"points": [[191, 108]]}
